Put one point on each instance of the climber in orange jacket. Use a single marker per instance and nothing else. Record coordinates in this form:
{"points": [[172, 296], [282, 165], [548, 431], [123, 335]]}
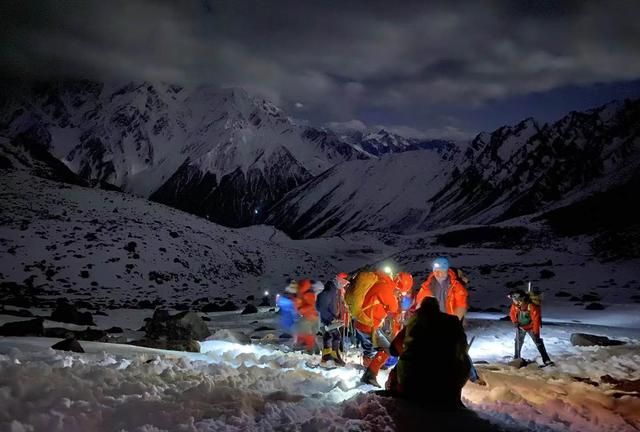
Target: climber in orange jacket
{"points": [[380, 301], [309, 321], [527, 319], [443, 284]]}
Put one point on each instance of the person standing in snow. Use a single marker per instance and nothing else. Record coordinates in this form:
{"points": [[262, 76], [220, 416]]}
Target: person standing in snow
{"points": [[309, 322], [286, 303], [379, 303], [527, 318], [444, 285], [433, 365], [330, 305]]}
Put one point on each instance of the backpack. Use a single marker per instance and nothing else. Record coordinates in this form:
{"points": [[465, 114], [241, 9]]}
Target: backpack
{"points": [[462, 276], [534, 295], [355, 293]]}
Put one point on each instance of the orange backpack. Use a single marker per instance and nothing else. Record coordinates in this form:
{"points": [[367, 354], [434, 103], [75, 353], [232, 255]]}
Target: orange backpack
{"points": [[355, 293]]}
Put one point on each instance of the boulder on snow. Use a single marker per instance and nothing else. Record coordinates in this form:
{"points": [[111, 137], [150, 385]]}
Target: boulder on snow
{"points": [[234, 336], [19, 313], [595, 306], [518, 363], [114, 330], [249, 309], [183, 326], [585, 339], [216, 307], [69, 344], [58, 333], [32, 327], [67, 313], [266, 301], [168, 344], [92, 335]]}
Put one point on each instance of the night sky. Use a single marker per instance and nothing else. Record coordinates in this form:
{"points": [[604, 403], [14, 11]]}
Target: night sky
{"points": [[433, 69]]}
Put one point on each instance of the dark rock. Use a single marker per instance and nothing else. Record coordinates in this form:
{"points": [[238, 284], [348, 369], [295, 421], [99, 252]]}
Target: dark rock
{"points": [[114, 330], [19, 313], [228, 306], [266, 301], [249, 309], [59, 333], [563, 294], [70, 344], [590, 298], [183, 326], [585, 339], [211, 307], [65, 312], [189, 345], [81, 304], [492, 310], [205, 318], [518, 363], [546, 274], [145, 304], [285, 336], [595, 306], [32, 327], [264, 328], [131, 247], [94, 335], [485, 269]]}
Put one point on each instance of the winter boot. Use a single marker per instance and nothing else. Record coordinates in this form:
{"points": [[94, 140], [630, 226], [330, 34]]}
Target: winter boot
{"points": [[335, 356], [370, 378], [327, 355], [366, 361]]}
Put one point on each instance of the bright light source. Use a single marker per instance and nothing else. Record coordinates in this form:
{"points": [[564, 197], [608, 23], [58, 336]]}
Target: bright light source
{"points": [[387, 270], [255, 211], [266, 293]]}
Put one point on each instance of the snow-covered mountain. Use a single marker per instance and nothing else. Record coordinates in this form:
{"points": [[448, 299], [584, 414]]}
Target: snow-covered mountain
{"points": [[529, 168], [387, 194], [233, 153], [524, 169]]}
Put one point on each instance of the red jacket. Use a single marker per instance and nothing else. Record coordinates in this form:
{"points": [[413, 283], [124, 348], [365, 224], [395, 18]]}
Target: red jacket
{"points": [[522, 311], [456, 296], [379, 301], [306, 300]]}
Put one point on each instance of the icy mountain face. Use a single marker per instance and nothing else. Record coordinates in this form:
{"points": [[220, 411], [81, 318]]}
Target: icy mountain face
{"points": [[384, 142], [529, 168], [516, 170], [387, 194], [232, 153]]}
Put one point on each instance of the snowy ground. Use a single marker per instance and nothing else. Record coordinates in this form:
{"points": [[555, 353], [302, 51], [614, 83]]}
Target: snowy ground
{"points": [[113, 250], [76, 243], [267, 387]]}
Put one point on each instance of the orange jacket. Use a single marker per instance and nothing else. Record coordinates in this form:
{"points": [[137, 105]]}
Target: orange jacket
{"points": [[306, 300], [456, 297], [380, 301], [534, 313]]}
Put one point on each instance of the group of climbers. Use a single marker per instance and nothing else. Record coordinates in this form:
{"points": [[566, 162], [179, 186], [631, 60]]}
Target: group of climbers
{"points": [[422, 330]]}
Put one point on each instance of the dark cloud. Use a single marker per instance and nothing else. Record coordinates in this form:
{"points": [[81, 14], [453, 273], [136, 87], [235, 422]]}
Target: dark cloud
{"points": [[337, 60]]}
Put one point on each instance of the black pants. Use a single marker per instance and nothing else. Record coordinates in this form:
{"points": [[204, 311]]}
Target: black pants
{"points": [[332, 339], [520, 335]]}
